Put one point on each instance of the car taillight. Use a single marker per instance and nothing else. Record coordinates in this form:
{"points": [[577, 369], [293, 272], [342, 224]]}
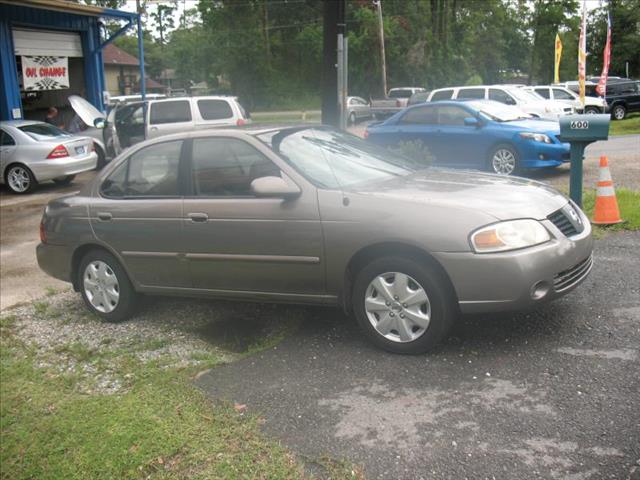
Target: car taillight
{"points": [[240, 122], [43, 232], [58, 152], [398, 103]]}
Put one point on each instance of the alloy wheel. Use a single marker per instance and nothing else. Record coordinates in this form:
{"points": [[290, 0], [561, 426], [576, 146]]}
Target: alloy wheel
{"points": [[19, 179], [101, 286], [398, 307], [503, 161], [618, 113]]}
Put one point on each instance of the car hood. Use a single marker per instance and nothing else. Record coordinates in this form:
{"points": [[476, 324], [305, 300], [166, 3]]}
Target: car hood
{"points": [[537, 125], [87, 112], [503, 198]]}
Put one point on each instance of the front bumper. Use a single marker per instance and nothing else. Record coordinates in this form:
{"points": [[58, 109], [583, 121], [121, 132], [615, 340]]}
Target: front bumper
{"points": [[542, 155], [515, 280], [60, 167]]}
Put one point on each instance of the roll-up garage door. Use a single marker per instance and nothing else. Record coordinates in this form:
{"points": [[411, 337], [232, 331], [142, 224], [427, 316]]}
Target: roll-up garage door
{"points": [[47, 43]]}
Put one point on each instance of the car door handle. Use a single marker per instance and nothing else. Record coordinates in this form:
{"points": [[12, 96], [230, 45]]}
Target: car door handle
{"points": [[198, 217], [105, 216]]}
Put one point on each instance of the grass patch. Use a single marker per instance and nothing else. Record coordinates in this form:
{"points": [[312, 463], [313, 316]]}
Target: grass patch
{"points": [[162, 427], [628, 203], [628, 126], [40, 307]]}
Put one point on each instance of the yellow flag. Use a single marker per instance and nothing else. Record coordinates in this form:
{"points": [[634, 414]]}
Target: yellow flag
{"points": [[556, 71]]}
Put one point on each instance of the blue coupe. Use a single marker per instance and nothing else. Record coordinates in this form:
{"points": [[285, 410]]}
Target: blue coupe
{"points": [[478, 134]]}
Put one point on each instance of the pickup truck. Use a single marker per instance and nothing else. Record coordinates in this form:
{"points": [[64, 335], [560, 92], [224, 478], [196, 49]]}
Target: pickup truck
{"points": [[396, 100]]}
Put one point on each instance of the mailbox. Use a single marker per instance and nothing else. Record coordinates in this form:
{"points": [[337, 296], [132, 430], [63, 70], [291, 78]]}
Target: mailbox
{"points": [[580, 131]]}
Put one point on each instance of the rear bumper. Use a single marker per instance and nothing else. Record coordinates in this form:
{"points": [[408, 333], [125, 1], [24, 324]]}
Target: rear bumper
{"points": [[55, 260], [516, 280], [60, 167]]}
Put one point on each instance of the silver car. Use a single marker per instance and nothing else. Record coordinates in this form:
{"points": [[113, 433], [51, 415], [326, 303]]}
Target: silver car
{"points": [[33, 152], [357, 109], [316, 216]]}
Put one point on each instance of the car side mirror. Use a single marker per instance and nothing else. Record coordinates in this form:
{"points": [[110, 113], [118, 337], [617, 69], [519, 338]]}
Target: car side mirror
{"points": [[472, 122], [99, 123], [273, 187]]}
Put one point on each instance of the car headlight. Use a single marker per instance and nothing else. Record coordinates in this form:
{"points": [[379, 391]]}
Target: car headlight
{"points": [[536, 137], [509, 235]]}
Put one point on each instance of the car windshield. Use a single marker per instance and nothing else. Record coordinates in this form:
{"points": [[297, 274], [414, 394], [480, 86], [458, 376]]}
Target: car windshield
{"points": [[524, 96], [42, 131], [499, 112], [332, 159]]}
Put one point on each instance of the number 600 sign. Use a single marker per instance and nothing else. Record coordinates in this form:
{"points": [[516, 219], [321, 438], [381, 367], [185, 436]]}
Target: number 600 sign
{"points": [[579, 124]]}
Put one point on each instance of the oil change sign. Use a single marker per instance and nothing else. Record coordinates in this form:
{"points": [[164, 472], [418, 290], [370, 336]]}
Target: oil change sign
{"points": [[45, 73]]}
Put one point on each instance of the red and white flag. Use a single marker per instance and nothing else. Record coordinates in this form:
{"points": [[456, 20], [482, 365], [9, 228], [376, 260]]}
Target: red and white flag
{"points": [[582, 53], [602, 83]]}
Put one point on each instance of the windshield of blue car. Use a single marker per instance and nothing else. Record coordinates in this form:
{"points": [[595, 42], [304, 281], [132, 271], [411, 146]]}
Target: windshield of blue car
{"points": [[42, 131], [499, 112], [333, 159]]}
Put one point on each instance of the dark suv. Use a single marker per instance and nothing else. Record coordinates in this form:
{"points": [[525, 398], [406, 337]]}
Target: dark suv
{"points": [[623, 97]]}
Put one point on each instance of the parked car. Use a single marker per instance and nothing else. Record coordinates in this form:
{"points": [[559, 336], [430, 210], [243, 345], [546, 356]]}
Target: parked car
{"points": [[89, 114], [33, 152], [134, 98], [316, 216], [623, 97], [418, 97], [396, 100], [478, 134], [130, 123], [561, 94], [509, 95], [357, 109]]}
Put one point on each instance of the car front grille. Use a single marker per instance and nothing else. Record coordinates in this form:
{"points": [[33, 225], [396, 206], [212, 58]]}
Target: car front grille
{"points": [[572, 276], [563, 223]]}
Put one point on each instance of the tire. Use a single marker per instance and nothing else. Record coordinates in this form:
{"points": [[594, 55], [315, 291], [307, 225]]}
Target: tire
{"points": [[352, 118], [64, 180], [591, 110], [618, 112], [440, 305], [20, 179], [102, 159], [503, 160], [97, 270]]}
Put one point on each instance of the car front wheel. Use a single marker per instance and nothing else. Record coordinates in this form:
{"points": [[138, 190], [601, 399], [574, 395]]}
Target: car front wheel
{"points": [[19, 179], [591, 110], [105, 286], [503, 160], [403, 305], [619, 112]]}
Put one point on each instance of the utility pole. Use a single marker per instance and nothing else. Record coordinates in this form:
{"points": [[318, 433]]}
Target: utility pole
{"points": [[378, 4], [333, 26]]}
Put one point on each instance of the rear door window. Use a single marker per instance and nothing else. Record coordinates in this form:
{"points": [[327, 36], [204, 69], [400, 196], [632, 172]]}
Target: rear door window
{"points": [[420, 116], [477, 93], [543, 92], [442, 95], [150, 172], [214, 109], [170, 112], [560, 94]]}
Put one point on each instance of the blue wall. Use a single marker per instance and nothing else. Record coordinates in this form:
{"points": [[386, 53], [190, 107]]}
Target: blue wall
{"points": [[16, 15]]}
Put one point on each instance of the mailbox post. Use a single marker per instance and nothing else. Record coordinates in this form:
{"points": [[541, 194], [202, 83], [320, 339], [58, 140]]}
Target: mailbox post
{"points": [[580, 131]]}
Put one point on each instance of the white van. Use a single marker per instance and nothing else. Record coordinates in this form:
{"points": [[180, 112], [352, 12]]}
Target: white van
{"points": [[562, 94], [130, 123], [510, 95]]}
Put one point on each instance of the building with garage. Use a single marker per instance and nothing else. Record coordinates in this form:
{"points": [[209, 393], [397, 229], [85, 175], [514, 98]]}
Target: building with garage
{"points": [[51, 49], [122, 73]]}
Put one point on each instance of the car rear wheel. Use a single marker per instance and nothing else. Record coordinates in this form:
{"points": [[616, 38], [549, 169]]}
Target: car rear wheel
{"points": [[352, 118], [503, 160], [105, 286], [19, 179], [403, 306], [619, 112], [591, 110], [66, 180]]}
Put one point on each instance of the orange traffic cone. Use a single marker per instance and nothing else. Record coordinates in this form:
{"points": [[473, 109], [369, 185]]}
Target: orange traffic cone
{"points": [[606, 211]]}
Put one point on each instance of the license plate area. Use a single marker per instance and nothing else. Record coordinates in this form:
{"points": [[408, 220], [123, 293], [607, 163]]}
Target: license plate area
{"points": [[81, 150]]}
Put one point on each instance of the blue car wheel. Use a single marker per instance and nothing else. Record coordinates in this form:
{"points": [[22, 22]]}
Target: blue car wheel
{"points": [[503, 160]]}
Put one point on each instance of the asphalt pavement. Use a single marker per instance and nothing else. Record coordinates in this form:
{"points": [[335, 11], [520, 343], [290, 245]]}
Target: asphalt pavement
{"points": [[549, 394]]}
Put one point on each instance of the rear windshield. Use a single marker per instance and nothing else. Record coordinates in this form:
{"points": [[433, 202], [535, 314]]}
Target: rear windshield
{"points": [[400, 93], [42, 131]]}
